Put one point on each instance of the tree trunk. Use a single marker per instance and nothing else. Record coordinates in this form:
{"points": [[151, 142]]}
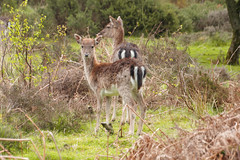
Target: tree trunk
{"points": [[233, 8]]}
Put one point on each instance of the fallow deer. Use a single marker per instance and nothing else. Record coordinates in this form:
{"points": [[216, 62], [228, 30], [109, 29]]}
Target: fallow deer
{"points": [[122, 49], [114, 29], [124, 77]]}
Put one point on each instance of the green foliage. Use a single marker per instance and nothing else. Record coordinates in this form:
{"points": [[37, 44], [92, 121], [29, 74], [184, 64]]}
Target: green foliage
{"points": [[143, 14], [7, 131], [190, 16], [81, 22], [220, 39], [24, 37]]}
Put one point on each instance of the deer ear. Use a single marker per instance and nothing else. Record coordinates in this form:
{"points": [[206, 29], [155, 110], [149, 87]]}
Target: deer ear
{"points": [[78, 38], [120, 20], [112, 20], [97, 40]]}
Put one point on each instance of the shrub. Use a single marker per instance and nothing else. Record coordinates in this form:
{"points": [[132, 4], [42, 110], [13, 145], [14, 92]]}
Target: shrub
{"points": [[191, 15], [143, 14], [81, 22], [217, 19], [179, 80], [220, 38]]}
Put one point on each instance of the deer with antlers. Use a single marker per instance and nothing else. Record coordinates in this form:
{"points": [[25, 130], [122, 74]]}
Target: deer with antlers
{"points": [[124, 77]]}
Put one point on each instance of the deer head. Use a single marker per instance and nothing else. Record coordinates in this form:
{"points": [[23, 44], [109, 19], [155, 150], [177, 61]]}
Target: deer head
{"points": [[87, 45], [113, 28]]}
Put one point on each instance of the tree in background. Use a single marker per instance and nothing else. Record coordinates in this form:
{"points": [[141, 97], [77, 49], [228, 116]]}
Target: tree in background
{"points": [[233, 8]]}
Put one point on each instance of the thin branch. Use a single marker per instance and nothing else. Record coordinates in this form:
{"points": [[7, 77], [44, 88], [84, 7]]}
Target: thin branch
{"points": [[51, 134], [43, 137], [5, 150], [149, 126], [12, 157]]}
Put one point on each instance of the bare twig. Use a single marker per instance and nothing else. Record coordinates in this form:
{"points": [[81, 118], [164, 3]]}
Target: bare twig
{"points": [[23, 140], [149, 126], [233, 54], [12, 157], [43, 137], [51, 134], [5, 150]]}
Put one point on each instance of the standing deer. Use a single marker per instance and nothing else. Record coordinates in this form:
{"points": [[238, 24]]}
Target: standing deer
{"points": [[124, 77], [114, 29]]}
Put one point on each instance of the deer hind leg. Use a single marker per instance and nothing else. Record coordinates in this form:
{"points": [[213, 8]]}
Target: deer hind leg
{"points": [[127, 97], [139, 99], [127, 114], [130, 103]]}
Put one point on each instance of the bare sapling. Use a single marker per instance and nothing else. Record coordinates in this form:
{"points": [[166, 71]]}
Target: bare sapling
{"points": [[124, 78]]}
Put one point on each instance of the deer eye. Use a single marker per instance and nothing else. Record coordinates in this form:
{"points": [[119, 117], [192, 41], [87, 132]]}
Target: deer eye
{"points": [[108, 26], [92, 46], [82, 46]]}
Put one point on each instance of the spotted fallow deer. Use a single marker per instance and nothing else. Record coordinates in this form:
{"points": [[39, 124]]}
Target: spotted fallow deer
{"points": [[124, 77], [122, 49]]}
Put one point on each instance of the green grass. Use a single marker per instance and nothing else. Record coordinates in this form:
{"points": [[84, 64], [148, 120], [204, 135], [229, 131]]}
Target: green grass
{"points": [[86, 145], [208, 55], [208, 50]]}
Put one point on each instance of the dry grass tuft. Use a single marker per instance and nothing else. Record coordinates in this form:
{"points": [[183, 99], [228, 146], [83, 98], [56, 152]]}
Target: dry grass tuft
{"points": [[216, 137]]}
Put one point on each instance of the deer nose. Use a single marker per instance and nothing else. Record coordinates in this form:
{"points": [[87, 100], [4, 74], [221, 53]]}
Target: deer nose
{"points": [[99, 34], [86, 54]]}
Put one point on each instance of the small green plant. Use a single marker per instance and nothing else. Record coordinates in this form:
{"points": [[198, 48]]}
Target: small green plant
{"points": [[7, 131]]}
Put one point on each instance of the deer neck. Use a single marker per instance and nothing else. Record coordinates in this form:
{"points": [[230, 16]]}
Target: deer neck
{"points": [[89, 64], [118, 38]]}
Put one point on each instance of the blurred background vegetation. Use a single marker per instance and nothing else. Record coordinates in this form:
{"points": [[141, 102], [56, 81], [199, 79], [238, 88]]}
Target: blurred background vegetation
{"points": [[77, 15]]}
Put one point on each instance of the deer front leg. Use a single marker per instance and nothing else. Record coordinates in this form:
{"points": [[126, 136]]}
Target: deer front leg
{"points": [[99, 106], [114, 109], [107, 125], [108, 106]]}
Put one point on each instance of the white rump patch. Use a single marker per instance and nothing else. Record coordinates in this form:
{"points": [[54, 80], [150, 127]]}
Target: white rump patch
{"points": [[123, 55], [135, 74], [143, 70], [132, 53], [132, 81]]}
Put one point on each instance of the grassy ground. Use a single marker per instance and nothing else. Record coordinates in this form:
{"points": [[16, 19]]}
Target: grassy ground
{"points": [[85, 145]]}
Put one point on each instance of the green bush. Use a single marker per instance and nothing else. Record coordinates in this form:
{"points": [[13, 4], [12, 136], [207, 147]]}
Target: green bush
{"points": [[190, 16], [144, 14]]}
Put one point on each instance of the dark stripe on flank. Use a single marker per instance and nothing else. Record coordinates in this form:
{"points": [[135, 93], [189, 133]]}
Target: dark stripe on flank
{"points": [[135, 54], [119, 54], [140, 77], [132, 71]]}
